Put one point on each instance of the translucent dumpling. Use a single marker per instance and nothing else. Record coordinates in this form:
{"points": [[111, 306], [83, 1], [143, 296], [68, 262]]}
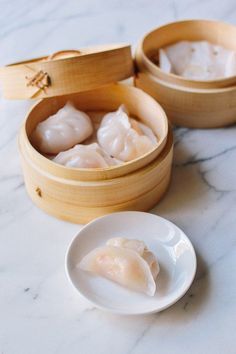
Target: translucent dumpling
{"points": [[164, 62], [139, 247], [119, 139], [85, 156], [143, 130], [198, 60], [133, 244], [126, 262], [61, 131]]}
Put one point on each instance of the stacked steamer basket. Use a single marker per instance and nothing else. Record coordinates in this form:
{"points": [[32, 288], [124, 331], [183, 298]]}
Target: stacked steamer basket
{"points": [[87, 79], [190, 103]]}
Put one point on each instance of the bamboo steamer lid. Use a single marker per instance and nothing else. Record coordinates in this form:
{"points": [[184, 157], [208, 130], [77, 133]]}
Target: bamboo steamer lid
{"points": [[67, 72]]}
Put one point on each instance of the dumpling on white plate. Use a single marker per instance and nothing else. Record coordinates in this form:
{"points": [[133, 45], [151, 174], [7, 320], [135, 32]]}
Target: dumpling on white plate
{"points": [[133, 244], [119, 139], [85, 156], [126, 262], [139, 247], [61, 131]]}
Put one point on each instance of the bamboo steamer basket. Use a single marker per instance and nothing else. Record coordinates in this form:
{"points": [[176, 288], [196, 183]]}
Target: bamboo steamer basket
{"points": [[190, 103], [215, 32], [79, 195], [88, 79]]}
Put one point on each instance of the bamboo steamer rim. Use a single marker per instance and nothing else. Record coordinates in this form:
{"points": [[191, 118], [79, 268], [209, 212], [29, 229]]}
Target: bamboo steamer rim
{"points": [[175, 86], [100, 173], [199, 91], [216, 26], [67, 71]]}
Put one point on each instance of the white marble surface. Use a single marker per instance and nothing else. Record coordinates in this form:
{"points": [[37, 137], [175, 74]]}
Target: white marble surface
{"points": [[39, 310]]}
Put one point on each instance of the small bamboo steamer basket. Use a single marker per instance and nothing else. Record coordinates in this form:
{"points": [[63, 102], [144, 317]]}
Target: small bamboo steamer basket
{"points": [[215, 32], [190, 103], [79, 195]]}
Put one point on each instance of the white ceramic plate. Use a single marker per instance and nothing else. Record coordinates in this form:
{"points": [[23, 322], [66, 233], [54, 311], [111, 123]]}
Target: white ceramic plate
{"points": [[173, 249]]}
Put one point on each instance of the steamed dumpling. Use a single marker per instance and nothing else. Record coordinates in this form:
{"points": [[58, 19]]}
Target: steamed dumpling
{"points": [[139, 247], [198, 60], [133, 244], [119, 139], [85, 156], [164, 61], [126, 262], [143, 129], [61, 131]]}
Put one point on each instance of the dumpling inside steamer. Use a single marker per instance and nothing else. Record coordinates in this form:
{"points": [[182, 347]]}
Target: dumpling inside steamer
{"points": [[93, 139], [198, 60], [62, 131], [127, 262], [85, 156], [124, 138]]}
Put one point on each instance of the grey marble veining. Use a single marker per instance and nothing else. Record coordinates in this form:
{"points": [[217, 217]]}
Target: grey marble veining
{"points": [[39, 310]]}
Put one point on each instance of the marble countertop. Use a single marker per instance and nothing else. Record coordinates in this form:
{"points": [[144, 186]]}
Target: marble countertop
{"points": [[39, 310]]}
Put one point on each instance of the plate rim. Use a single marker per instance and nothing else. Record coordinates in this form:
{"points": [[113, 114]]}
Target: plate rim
{"points": [[124, 312]]}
